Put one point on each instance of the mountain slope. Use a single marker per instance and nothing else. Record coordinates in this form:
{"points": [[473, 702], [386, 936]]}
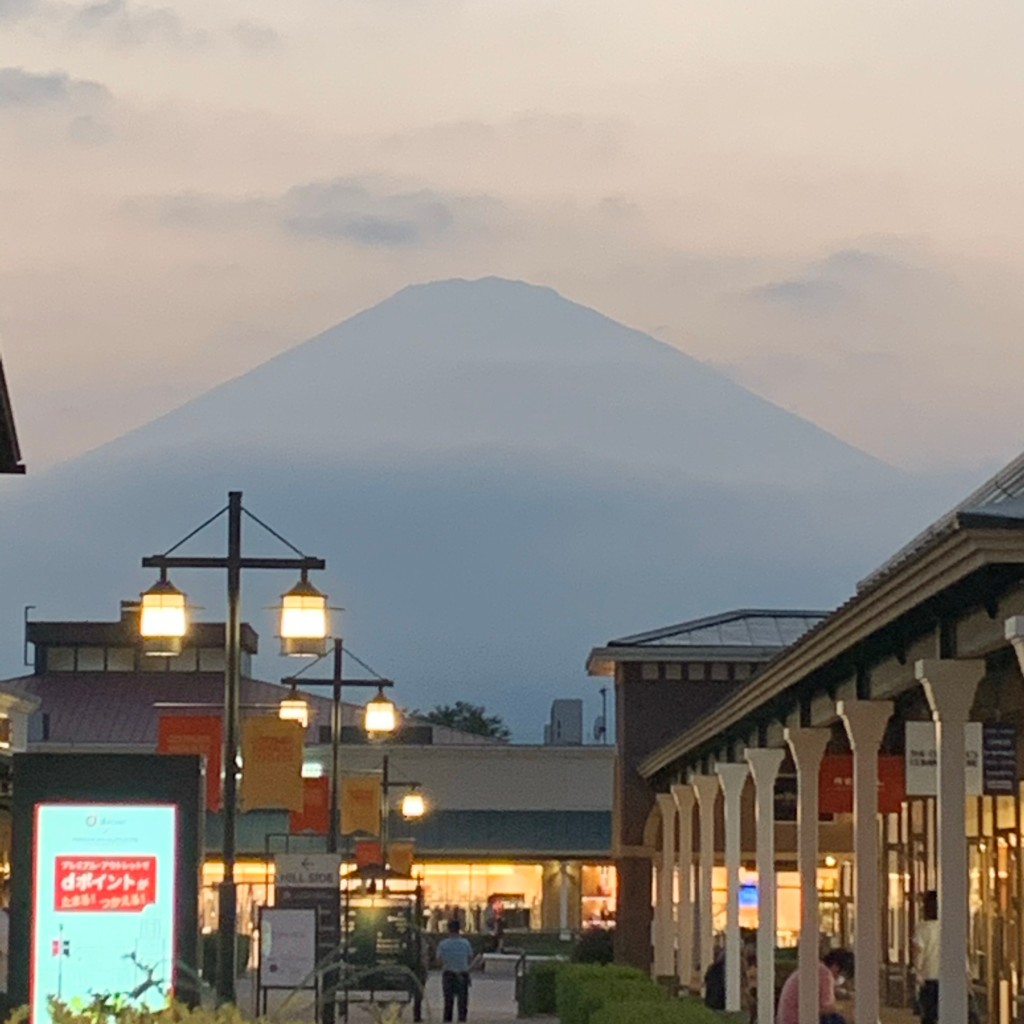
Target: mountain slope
{"points": [[498, 478]]}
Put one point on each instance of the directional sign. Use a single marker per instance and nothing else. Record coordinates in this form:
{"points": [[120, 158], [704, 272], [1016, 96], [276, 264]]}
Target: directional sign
{"points": [[307, 870]]}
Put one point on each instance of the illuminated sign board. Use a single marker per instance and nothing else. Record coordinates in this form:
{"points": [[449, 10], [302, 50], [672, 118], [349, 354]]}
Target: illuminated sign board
{"points": [[103, 904]]}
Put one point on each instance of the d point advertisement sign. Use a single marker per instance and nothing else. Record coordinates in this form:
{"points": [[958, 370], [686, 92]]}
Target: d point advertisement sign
{"points": [[105, 880]]}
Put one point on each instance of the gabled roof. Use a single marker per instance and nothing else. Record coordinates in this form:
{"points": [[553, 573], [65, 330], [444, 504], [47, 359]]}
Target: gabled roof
{"points": [[10, 453], [745, 634]]}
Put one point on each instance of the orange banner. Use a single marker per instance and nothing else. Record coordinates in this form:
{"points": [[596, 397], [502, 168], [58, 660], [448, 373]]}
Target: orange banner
{"points": [[315, 815], [271, 764], [367, 853], [360, 804], [400, 855], [195, 734]]}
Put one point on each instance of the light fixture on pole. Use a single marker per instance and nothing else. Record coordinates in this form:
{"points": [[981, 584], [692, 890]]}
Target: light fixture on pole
{"points": [[381, 717], [303, 629], [294, 709], [163, 619], [413, 804]]}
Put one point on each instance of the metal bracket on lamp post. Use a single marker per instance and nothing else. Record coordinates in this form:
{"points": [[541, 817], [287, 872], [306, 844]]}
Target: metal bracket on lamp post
{"points": [[233, 563]]}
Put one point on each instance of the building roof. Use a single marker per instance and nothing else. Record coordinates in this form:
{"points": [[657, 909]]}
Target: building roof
{"points": [[10, 452], [745, 634], [125, 633]]}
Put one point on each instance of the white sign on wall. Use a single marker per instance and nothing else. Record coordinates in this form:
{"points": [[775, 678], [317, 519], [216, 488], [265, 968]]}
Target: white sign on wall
{"points": [[307, 870], [287, 947], [921, 758]]}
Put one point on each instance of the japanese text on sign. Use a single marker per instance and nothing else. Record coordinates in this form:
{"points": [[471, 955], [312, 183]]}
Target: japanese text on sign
{"points": [[125, 884]]}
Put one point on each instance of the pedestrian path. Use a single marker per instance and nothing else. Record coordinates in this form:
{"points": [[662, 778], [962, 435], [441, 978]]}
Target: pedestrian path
{"points": [[491, 999]]}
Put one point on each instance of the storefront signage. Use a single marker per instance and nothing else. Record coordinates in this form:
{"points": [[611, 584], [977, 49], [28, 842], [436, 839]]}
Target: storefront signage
{"points": [[835, 784], [921, 758], [312, 881], [307, 871], [103, 903], [287, 947], [999, 758]]}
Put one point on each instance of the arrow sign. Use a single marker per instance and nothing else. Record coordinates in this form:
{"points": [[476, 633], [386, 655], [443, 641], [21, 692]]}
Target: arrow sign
{"points": [[307, 870]]}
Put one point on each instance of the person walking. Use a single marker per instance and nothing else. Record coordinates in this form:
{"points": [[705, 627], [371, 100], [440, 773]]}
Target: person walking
{"points": [[456, 956], [926, 959]]}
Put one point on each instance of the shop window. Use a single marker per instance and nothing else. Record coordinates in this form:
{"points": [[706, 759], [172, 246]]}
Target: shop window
{"points": [[120, 659], [5, 732], [60, 659], [90, 659]]}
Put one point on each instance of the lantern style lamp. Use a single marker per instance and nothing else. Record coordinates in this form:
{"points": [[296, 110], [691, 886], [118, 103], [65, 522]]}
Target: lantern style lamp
{"points": [[413, 804], [294, 709], [380, 717], [304, 621], [164, 620]]}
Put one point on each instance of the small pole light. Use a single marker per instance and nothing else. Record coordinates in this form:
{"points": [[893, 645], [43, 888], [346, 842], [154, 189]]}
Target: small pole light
{"points": [[294, 709], [413, 804], [163, 621], [303, 621], [380, 716]]}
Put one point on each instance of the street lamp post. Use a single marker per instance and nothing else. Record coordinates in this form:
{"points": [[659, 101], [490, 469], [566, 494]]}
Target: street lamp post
{"points": [[380, 719], [233, 563]]}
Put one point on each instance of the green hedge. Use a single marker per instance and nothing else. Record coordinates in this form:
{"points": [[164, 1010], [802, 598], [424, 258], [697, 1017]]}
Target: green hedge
{"points": [[583, 989], [537, 995], [675, 1011]]}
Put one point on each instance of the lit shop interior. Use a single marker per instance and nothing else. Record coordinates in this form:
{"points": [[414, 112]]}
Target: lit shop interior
{"points": [[529, 894]]}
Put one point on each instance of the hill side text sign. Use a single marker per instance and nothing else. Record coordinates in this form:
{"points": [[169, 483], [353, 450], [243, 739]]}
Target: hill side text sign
{"points": [[922, 760], [307, 871]]}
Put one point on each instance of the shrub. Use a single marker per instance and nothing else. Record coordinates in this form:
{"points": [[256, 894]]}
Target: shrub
{"points": [[677, 1011], [581, 989], [537, 995]]}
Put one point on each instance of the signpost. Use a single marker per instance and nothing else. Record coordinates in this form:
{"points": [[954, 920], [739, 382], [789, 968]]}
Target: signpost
{"points": [[999, 759], [312, 881], [287, 951]]}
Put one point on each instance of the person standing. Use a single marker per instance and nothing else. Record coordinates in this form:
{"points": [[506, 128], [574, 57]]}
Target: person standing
{"points": [[456, 955], [926, 959]]}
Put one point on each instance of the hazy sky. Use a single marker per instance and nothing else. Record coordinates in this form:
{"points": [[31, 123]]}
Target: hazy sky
{"points": [[823, 197]]}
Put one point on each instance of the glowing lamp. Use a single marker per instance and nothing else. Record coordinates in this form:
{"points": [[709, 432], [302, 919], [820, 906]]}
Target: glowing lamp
{"points": [[413, 804], [294, 709], [380, 715], [303, 621], [164, 620]]}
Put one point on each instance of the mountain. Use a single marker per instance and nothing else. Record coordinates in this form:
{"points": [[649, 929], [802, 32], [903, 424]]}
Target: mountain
{"points": [[499, 479]]}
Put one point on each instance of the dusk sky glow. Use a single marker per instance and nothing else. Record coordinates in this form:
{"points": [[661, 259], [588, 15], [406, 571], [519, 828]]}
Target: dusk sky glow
{"points": [[822, 199]]}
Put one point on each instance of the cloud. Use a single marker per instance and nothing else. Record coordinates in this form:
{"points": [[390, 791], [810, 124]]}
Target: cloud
{"points": [[13, 10], [21, 88], [255, 35], [130, 25], [346, 210]]}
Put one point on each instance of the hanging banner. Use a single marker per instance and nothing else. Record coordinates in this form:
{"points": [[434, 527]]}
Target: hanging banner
{"points": [[835, 784], [921, 758], [400, 855], [999, 758], [271, 764], [315, 815], [360, 804], [368, 853], [195, 734]]}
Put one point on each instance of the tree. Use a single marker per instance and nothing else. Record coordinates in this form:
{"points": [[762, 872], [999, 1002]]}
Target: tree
{"points": [[468, 717]]}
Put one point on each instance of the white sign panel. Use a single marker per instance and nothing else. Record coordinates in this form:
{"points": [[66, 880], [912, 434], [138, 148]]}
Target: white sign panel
{"points": [[921, 758], [287, 947], [103, 904], [307, 870]]}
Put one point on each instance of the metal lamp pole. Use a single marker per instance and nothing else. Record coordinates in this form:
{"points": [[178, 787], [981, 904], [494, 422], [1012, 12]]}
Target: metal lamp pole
{"points": [[233, 563]]}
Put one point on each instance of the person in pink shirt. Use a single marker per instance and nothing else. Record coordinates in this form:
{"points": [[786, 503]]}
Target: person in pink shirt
{"points": [[836, 965]]}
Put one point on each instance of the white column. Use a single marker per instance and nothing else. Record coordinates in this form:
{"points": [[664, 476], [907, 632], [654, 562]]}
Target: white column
{"points": [[808, 747], [684, 797], [764, 768], [733, 778], [664, 930], [865, 722], [706, 788], [950, 685], [563, 900]]}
